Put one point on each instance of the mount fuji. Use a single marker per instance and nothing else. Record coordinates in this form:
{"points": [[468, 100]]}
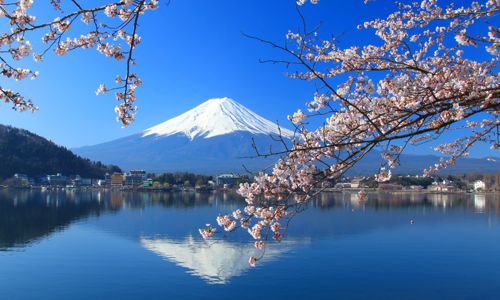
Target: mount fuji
{"points": [[215, 136]]}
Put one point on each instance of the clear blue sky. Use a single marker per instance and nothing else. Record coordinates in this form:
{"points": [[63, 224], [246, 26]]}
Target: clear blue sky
{"points": [[191, 50]]}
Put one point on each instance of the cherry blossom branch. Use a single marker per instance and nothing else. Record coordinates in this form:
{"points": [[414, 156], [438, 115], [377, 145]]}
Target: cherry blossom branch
{"points": [[413, 87], [107, 37]]}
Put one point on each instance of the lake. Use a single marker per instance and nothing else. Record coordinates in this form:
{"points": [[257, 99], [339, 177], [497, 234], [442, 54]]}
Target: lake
{"points": [[125, 245]]}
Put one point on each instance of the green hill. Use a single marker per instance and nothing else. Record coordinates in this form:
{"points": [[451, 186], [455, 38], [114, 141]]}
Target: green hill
{"points": [[24, 152]]}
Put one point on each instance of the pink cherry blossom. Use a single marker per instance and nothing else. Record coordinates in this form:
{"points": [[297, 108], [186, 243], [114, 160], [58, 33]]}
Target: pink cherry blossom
{"points": [[95, 33], [252, 261], [432, 70]]}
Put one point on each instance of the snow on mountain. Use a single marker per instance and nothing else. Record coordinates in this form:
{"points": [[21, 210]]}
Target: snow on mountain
{"points": [[214, 117], [217, 136], [214, 137]]}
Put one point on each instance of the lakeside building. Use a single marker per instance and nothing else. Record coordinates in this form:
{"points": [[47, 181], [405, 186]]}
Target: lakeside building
{"points": [[147, 183], [415, 187], [343, 185], [117, 179], [135, 178], [227, 180], [479, 186], [356, 183], [81, 182], [57, 180], [444, 186], [21, 180], [107, 179]]}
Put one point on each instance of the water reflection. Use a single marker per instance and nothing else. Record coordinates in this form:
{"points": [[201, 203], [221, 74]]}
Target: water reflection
{"points": [[214, 261], [479, 202], [383, 200], [145, 245], [28, 216]]}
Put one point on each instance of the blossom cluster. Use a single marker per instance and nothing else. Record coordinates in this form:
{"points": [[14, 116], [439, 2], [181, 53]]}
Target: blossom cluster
{"points": [[111, 29], [423, 87], [423, 79]]}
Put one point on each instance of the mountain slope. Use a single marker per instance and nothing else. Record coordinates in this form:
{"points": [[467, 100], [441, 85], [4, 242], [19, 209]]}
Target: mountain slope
{"points": [[24, 152], [415, 164], [214, 137], [224, 153], [217, 137]]}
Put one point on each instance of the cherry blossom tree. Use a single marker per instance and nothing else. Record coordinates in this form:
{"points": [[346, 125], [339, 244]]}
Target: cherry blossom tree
{"points": [[110, 28], [433, 70]]}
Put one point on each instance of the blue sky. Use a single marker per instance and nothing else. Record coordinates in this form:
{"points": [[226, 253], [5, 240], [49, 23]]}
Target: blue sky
{"points": [[191, 50]]}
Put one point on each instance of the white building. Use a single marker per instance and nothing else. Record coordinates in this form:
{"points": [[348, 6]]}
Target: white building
{"points": [[479, 185], [356, 183]]}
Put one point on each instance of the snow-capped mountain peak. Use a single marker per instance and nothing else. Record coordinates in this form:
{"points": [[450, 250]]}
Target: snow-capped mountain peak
{"points": [[214, 117]]}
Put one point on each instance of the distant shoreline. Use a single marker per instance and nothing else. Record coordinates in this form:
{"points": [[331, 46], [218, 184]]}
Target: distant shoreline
{"points": [[403, 191], [234, 190]]}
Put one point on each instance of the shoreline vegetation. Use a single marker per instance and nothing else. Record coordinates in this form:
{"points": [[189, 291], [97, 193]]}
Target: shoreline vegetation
{"points": [[141, 181], [234, 190]]}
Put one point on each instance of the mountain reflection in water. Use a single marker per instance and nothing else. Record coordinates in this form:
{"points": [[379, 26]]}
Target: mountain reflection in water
{"points": [[27, 216], [215, 261]]}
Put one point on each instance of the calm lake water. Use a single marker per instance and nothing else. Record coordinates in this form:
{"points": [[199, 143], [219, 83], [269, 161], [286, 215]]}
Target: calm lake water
{"points": [[146, 246]]}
